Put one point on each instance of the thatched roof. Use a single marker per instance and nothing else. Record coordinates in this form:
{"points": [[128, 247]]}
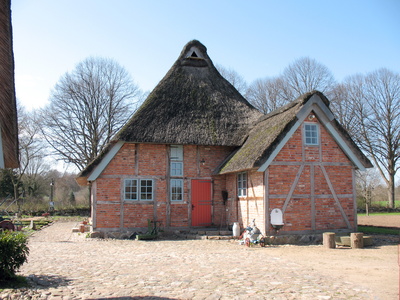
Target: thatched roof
{"points": [[192, 104], [271, 129], [8, 111]]}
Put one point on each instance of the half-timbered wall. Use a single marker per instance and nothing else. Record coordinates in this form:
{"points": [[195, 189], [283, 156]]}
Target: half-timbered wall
{"points": [[312, 185], [151, 161]]}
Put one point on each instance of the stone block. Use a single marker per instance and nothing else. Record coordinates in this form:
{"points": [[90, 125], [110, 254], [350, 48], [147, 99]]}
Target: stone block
{"points": [[225, 232], [97, 235], [212, 232]]}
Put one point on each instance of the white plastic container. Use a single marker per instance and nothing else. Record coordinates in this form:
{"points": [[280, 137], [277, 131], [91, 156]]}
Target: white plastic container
{"points": [[236, 229]]}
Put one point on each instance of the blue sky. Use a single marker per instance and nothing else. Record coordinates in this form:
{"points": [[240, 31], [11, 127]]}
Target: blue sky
{"points": [[255, 38]]}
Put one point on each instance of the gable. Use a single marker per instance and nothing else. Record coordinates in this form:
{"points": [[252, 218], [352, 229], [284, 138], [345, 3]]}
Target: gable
{"points": [[272, 132], [325, 150], [325, 117]]}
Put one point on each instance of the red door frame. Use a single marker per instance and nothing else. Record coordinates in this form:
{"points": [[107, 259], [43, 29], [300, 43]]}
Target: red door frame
{"points": [[201, 202]]}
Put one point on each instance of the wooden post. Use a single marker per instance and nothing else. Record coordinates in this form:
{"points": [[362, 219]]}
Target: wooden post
{"points": [[356, 240], [329, 240]]}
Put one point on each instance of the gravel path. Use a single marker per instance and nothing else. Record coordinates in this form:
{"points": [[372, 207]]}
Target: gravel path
{"points": [[66, 265]]}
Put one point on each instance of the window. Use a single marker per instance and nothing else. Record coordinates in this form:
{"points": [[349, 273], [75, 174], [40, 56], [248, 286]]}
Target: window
{"points": [[138, 189], [176, 189], [311, 134], [130, 189], [242, 184], [176, 157], [176, 168], [146, 189], [177, 152]]}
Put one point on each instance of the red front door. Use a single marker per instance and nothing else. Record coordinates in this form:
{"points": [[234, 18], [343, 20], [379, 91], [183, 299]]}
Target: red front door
{"points": [[201, 202]]}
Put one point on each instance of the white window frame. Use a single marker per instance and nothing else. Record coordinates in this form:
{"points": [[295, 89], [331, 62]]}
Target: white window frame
{"points": [[176, 168], [141, 183], [176, 173], [309, 130], [174, 183], [242, 184], [176, 152], [176, 161]]}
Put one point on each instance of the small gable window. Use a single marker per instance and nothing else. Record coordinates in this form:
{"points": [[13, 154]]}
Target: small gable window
{"points": [[242, 184], [311, 134], [194, 53]]}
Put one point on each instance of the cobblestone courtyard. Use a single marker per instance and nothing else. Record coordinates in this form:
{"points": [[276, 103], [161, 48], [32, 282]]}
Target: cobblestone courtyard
{"points": [[66, 265]]}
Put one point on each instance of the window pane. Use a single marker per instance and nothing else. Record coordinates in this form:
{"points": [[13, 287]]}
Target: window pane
{"points": [[176, 152], [242, 184], [131, 189], [176, 168], [311, 134], [146, 189], [176, 189]]}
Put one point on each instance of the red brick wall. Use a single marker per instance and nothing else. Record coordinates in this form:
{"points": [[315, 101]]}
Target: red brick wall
{"points": [[151, 161], [281, 174], [299, 211]]}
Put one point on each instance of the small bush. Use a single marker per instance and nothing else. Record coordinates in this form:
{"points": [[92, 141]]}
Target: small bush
{"points": [[13, 253]]}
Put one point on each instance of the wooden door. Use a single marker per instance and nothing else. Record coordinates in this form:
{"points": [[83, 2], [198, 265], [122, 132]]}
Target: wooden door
{"points": [[201, 202]]}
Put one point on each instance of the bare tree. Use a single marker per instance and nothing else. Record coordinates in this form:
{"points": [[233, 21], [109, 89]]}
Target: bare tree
{"points": [[268, 94], [377, 107], [366, 185], [32, 151], [305, 75], [343, 98], [31, 155], [233, 77], [87, 107]]}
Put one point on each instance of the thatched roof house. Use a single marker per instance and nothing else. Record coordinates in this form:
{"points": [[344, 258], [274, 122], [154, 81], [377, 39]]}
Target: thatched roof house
{"points": [[196, 153], [8, 111]]}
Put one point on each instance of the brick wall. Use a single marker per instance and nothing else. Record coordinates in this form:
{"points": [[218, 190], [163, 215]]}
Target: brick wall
{"points": [[151, 161], [312, 206]]}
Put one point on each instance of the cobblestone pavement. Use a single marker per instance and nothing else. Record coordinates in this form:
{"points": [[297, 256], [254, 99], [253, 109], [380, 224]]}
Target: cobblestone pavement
{"points": [[66, 265]]}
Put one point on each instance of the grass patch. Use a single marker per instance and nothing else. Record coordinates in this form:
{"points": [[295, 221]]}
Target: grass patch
{"points": [[16, 282], [385, 203], [378, 230], [380, 214]]}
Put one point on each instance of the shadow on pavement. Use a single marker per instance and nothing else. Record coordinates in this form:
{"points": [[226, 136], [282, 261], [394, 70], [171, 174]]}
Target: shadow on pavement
{"points": [[45, 281]]}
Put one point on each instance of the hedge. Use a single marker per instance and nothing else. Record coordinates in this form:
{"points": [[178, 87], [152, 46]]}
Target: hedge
{"points": [[13, 253]]}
